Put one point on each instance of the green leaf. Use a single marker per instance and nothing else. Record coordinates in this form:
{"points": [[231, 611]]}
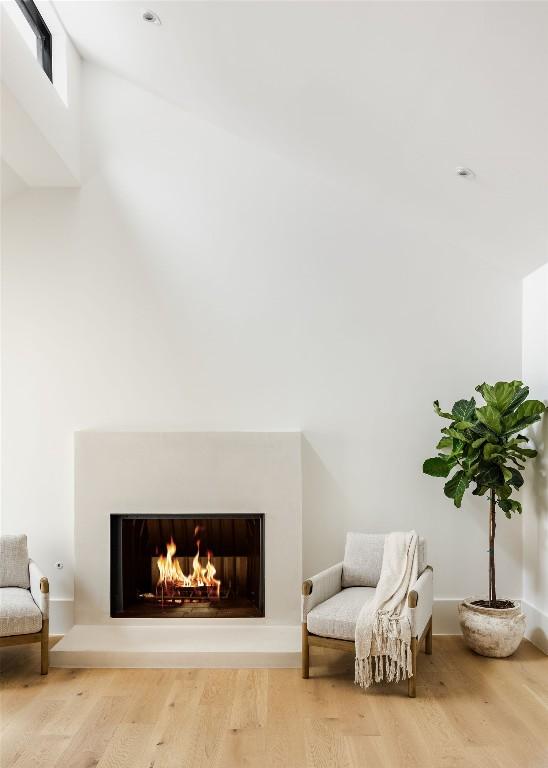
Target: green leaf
{"points": [[456, 486], [489, 450], [437, 467], [478, 442], [517, 478], [458, 447], [508, 506], [463, 425], [507, 474], [472, 454], [529, 453], [489, 416], [451, 432], [522, 425], [463, 410], [515, 441], [441, 413], [520, 396], [527, 413], [485, 391], [501, 394], [480, 490], [445, 442]]}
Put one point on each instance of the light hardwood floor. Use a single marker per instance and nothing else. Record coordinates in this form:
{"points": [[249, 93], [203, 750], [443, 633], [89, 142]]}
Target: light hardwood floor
{"points": [[469, 712]]}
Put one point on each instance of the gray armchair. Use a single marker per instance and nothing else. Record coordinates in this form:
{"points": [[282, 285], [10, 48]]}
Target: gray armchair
{"points": [[332, 600], [24, 598]]}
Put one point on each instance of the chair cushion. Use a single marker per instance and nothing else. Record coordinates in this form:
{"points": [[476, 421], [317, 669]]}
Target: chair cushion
{"points": [[363, 559], [337, 616], [14, 561], [19, 614]]}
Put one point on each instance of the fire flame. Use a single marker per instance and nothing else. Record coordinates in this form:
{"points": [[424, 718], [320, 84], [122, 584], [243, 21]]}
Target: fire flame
{"points": [[172, 576]]}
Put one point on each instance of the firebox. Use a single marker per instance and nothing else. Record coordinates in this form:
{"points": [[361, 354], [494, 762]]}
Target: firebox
{"points": [[181, 566]]}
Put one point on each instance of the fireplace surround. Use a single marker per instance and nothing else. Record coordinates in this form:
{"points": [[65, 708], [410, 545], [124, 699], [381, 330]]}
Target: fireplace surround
{"points": [[187, 566], [198, 474]]}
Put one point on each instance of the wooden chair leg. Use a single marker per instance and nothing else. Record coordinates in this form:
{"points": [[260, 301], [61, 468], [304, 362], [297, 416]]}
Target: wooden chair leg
{"points": [[305, 653], [412, 681], [428, 639], [44, 648]]}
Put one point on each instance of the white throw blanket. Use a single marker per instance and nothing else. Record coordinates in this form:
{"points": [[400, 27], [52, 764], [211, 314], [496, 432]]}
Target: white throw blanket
{"points": [[383, 629]]}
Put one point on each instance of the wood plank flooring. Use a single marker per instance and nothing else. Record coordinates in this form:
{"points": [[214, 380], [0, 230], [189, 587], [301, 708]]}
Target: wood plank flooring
{"points": [[469, 712]]}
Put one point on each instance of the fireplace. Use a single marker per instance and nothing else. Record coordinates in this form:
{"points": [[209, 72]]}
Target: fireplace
{"points": [[183, 566]]}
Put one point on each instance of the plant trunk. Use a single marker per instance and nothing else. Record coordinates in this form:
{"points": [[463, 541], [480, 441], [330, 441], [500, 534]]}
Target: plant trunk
{"points": [[492, 526]]}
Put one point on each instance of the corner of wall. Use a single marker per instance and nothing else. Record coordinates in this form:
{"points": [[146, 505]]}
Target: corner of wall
{"points": [[535, 491], [537, 626]]}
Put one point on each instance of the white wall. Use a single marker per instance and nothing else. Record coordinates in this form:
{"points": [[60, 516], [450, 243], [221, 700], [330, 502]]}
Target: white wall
{"points": [[10, 183], [197, 281], [535, 512]]}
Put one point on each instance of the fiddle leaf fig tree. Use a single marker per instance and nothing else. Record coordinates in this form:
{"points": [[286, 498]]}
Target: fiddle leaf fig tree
{"points": [[483, 445]]}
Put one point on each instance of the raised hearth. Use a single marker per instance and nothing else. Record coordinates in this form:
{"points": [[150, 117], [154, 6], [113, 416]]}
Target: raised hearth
{"points": [[174, 646]]}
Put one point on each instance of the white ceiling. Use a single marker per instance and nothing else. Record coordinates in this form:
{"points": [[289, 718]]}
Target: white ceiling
{"points": [[389, 97]]}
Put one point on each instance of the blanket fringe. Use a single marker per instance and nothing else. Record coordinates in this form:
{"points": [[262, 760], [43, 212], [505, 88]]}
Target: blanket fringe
{"points": [[392, 666]]}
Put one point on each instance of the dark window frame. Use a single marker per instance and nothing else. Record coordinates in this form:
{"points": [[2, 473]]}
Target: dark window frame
{"points": [[42, 33]]}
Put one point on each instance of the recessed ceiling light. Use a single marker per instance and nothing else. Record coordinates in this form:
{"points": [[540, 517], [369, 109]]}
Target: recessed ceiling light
{"points": [[462, 171], [151, 17]]}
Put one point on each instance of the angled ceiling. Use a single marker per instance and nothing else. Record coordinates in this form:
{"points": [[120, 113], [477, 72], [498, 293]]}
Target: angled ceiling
{"points": [[389, 97]]}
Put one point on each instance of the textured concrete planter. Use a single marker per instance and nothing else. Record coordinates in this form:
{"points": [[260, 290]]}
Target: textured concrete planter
{"points": [[491, 631]]}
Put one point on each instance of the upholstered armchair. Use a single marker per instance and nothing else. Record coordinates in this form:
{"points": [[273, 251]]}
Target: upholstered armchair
{"points": [[332, 600], [24, 598]]}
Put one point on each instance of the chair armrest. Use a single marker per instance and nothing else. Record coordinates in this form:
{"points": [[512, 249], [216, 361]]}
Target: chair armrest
{"points": [[320, 588], [420, 600], [39, 588]]}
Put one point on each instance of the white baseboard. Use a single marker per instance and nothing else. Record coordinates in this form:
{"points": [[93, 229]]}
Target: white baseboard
{"points": [[445, 618], [537, 626]]}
